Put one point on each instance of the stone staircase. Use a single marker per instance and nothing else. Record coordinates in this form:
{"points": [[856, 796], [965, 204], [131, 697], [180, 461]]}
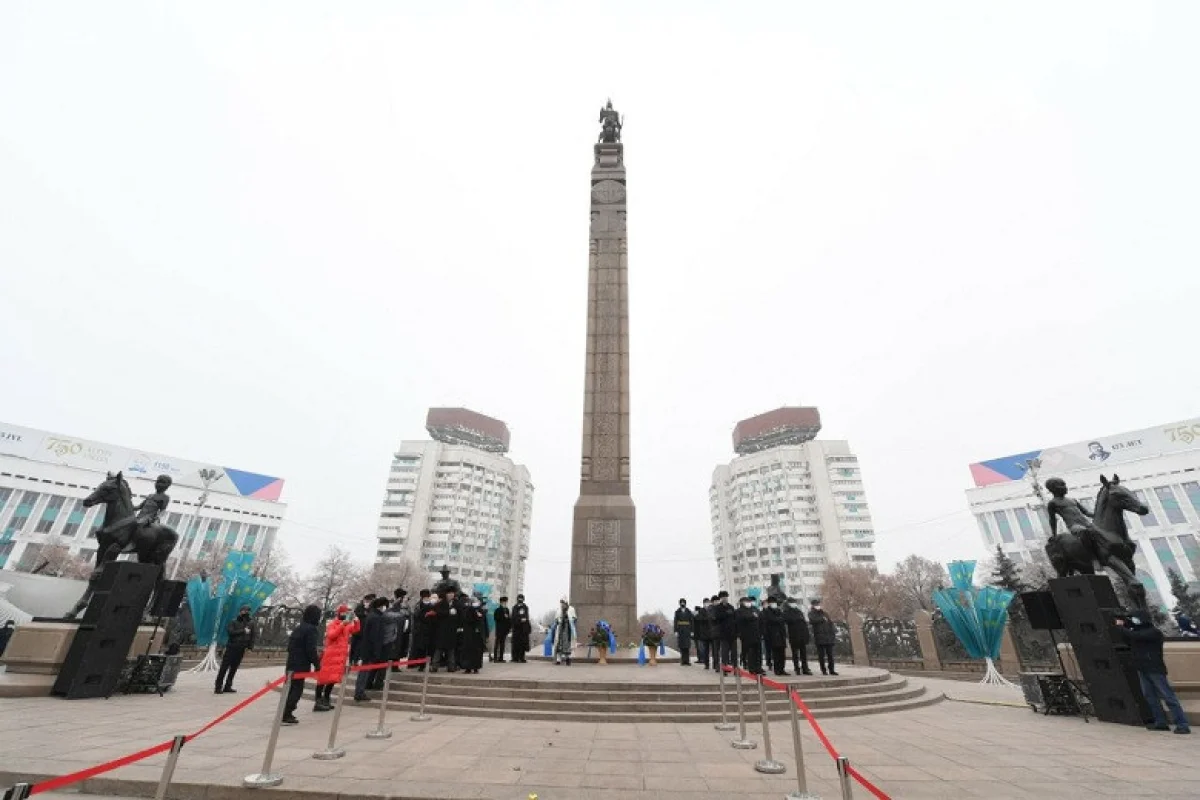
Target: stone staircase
{"points": [[580, 693]]}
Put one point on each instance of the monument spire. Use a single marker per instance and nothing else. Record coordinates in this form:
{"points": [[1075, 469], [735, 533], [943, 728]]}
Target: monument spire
{"points": [[603, 537]]}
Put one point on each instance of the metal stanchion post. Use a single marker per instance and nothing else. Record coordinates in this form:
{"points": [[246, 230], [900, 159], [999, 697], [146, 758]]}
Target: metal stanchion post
{"points": [[743, 742], [421, 716], [801, 792], [724, 724], [19, 791], [766, 765], [843, 768], [380, 732], [169, 767], [266, 777], [331, 751]]}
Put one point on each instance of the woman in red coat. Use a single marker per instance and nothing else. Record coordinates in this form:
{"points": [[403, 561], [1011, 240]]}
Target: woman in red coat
{"points": [[337, 652]]}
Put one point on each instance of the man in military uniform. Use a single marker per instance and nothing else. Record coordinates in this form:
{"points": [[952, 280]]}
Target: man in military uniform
{"points": [[521, 628]]}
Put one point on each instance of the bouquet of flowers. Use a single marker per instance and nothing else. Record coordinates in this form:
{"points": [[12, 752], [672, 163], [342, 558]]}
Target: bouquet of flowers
{"points": [[652, 635], [600, 635]]}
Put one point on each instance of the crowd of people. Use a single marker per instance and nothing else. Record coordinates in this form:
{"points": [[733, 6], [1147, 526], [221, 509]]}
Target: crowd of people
{"points": [[755, 637], [444, 629]]}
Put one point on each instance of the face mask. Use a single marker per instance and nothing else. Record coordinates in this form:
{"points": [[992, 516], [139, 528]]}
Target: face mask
{"points": [[745, 605]]}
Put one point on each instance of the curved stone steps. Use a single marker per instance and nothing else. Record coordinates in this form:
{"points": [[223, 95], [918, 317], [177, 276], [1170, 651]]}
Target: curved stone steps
{"points": [[611, 701]]}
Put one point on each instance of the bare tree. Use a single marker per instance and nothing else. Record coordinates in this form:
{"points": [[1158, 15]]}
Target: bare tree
{"points": [[916, 579], [56, 559], [331, 579], [845, 589], [385, 578], [277, 568], [657, 617], [207, 562], [547, 619], [881, 597], [1038, 572]]}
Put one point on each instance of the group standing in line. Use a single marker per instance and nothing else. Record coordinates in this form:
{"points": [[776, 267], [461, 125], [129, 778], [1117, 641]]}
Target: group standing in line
{"points": [[755, 638]]}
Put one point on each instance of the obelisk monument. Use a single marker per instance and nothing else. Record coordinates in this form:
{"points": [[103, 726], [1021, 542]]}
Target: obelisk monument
{"points": [[604, 534]]}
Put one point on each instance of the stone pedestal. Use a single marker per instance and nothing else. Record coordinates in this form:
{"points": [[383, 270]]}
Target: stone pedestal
{"points": [[36, 653], [929, 654]]}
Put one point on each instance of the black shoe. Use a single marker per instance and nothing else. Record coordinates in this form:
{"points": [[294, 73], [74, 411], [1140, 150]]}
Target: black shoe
{"points": [[1153, 727], [783, 673], [807, 672], [361, 698], [831, 672], [217, 691], [290, 720], [1182, 729], [229, 690], [322, 707]]}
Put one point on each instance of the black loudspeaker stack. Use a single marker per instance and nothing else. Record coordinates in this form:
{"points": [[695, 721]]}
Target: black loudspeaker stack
{"points": [[106, 632], [1041, 611], [1088, 605], [169, 599]]}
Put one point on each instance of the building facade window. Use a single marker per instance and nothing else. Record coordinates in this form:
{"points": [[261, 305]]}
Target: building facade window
{"points": [[1162, 549], [74, 519], [1191, 489], [1025, 524], [50, 513], [1191, 551], [20, 516], [1002, 525], [1170, 504], [985, 529]]}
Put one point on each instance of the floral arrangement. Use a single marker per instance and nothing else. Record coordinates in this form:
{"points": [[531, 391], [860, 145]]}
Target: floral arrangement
{"points": [[652, 635], [599, 635]]}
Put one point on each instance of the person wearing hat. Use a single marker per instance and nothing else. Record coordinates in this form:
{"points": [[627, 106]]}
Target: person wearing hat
{"points": [[824, 635], [337, 652], [775, 635], [724, 632], [240, 632], [444, 619], [797, 628], [684, 622], [502, 619], [302, 655], [1146, 648], [403, 619], [373, 649], [419, 642], [521, 628], [748, 623], [703, 633]]}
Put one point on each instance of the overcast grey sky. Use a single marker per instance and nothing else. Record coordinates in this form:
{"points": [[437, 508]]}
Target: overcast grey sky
{"points": [[270, 235]]}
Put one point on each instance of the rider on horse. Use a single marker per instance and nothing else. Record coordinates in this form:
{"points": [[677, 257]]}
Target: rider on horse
{"points": [[1077, 518], [151, 509]]}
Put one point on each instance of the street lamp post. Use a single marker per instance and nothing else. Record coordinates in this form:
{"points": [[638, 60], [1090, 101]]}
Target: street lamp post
{"points": [[208, 477]]}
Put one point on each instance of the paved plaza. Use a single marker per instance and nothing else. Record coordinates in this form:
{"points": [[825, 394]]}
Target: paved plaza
{"points": [[981, 743]]}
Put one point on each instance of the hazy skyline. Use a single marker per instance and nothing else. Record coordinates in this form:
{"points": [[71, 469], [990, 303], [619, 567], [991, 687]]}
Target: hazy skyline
{"points": [[272, 235]]}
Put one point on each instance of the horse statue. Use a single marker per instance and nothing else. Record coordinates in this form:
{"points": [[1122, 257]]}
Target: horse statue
{"points": [[123, 531], [1100, 536]]}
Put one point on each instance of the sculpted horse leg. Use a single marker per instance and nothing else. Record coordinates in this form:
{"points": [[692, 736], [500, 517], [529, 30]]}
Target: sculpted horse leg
{"points": [[104, 555]]}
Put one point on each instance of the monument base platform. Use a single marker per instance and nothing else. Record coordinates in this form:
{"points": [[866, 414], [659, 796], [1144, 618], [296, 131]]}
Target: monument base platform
{"points": [[36, 653]]}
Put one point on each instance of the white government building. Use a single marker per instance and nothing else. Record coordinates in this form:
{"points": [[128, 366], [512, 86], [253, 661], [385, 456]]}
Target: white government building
{"points": [[1162, 466], [788, 504], [45, 476], [458, 500]]}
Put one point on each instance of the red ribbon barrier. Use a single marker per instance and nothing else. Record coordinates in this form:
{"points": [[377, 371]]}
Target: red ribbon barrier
{"points": [[99, 769], [817, 729], [272, 685]]}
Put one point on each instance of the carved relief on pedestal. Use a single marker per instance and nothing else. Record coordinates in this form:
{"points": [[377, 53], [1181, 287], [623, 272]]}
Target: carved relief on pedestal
{"points": [[607, 192]]}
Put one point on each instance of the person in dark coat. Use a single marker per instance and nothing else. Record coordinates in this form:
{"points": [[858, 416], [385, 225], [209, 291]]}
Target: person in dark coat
{"points": [[6, 633], [303, 656], [748, 623], [824, 636], [684, 622], [775, 628], [241, 638], [399, 608], [724, 631], [797, 628], [419, 646], [502, 618], [444, 632], [1146, 646], [521, 628], [373, 648], [474, 636], [360, 611], [703, 632]]}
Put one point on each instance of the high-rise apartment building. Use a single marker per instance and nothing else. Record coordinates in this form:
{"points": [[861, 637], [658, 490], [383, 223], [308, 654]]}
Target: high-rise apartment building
{"points": [[457, 500], [788, 505]]}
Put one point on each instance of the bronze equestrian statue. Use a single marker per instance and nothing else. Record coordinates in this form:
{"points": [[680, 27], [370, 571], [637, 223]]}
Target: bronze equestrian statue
{"points": [[1095, 537], [128, 529]]}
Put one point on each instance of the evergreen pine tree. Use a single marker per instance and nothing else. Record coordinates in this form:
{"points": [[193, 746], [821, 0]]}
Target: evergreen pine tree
{"points": [[1186, 601], [1007, 575]]}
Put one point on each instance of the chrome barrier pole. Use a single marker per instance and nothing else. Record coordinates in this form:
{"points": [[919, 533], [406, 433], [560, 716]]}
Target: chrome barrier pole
{"points": [[331, 751], [266, 778], [421, 716], [724, 724], [742, 742], [801, 792], [380, 732], [843, 768], [169, 767], [768, 765]]}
